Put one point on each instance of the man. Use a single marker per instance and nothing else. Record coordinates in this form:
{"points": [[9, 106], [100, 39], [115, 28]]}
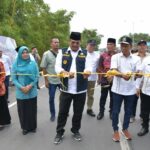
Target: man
{"points": [[48, 66], [106, 82], [73, 64], [7, 65], [142, 53], [123, 87], [143, 89], [37, 58], [94, 57], [35, 54]]}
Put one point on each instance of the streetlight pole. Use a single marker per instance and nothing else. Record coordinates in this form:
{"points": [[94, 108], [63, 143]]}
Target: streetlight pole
{"points": [[133, 33]]}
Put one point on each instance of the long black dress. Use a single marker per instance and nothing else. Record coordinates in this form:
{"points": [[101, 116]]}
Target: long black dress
{"points": [[5, 118], [27, 111]]}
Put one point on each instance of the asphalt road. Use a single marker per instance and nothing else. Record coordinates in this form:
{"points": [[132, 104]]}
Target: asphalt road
{"points": [[97, 135]]}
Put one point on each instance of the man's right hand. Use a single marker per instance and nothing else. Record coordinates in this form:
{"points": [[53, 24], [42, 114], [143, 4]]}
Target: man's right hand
{"points": [[126, 77]]}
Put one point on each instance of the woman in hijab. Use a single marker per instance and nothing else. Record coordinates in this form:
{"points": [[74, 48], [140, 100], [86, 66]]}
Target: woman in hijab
{"points": [[5, 118], [25, 76]]}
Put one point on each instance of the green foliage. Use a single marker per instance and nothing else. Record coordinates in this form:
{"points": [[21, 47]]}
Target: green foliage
{"points": [[136, 37], [139, 36], [88, 34], [31, 23]]}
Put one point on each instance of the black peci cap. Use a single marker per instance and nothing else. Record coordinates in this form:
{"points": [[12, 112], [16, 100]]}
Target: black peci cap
{"points": [[111, 40], [75, 36]]}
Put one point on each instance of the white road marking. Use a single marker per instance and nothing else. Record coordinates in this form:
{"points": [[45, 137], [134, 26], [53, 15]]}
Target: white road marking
{"points": [[123, 142], [13, 104]]}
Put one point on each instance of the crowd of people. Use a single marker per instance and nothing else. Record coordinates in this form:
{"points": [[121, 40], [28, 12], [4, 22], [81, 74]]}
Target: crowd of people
{"points": [[75, 71]]}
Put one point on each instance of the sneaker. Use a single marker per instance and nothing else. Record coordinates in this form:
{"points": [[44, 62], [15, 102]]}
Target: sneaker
{"points": [[58, 138], [116, 136], [77, 136], [132, 119], [127, 134]]}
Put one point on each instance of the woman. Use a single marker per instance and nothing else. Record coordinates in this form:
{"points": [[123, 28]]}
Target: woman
{"points": [[5, 118], [25, 75]]}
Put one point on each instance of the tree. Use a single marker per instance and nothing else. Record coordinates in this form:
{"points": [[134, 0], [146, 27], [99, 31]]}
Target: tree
{"points": [[31, 23], [88, 34], [136, 37]]}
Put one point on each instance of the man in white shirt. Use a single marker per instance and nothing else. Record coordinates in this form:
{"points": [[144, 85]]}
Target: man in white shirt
{"points": [[73, 64], [142, 54], [123, 87], [93, 57], [144, 91], [7, 65]]}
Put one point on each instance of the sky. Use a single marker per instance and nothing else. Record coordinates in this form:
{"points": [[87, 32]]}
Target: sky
{"points": [[111, 18]]}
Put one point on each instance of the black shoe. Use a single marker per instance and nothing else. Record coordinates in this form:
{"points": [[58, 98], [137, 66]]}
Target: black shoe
{"points": [[2, 127], [100, 116], [77, 136], [34, 131], [143, 131], [24, 132], [58, 138], [90, 112], [52, 118]]}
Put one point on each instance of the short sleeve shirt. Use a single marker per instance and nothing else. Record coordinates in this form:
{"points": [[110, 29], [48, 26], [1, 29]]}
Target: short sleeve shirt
{"points": [[48, 62], [124, 65]]}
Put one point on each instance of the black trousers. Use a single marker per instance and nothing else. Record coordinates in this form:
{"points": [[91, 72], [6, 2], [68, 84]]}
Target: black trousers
{"points": [[104, 94], [145, 110], [27, 111], [4, 111], [64, 106], [134, 106]]}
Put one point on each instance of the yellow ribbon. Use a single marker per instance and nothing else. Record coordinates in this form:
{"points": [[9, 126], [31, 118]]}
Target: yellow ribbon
{"points": [[63, 75]]}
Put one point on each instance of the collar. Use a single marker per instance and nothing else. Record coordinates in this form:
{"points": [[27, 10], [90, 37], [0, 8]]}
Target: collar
{"points": [[121, 54], [69, 49]]}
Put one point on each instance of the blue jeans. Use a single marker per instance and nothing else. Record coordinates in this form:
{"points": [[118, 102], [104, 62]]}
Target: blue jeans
{"points": [[128, 106], [52, 91]]}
